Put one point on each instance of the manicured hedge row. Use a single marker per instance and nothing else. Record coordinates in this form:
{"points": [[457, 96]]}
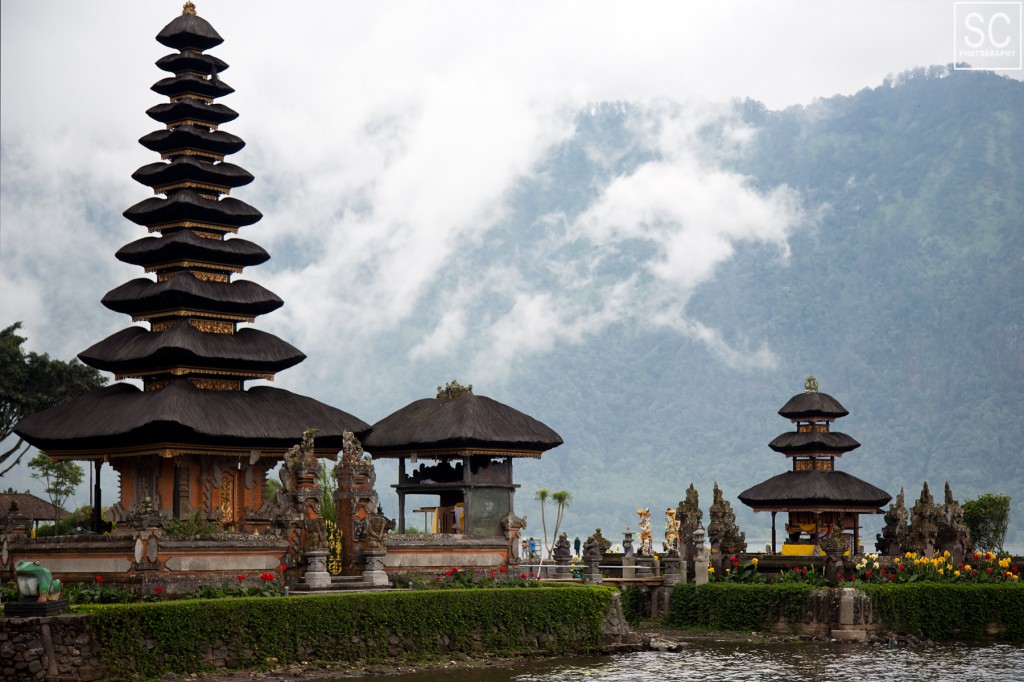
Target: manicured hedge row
{"points": [[184, 636], [943, 611], [737, 606]]}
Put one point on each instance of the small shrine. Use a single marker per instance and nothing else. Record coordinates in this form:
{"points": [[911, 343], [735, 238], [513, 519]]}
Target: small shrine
{"points": [[457, 450], [195, 439], [822, 505]]}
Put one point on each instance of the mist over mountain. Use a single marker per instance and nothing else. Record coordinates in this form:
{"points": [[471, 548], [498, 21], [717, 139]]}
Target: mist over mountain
{"points": [[900, 286]]}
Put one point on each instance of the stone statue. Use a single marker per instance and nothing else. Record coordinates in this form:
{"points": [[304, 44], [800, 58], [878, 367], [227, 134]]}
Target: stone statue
{"points": [[627, 542], [811, 384], [893, 539], [953, 535], [563, 550], [689, 515], [303, 452], [646, 538], [513, 525], [603, 544], [377, 526], [923, 524], [724, 534], [35, 580], [671, 533]]}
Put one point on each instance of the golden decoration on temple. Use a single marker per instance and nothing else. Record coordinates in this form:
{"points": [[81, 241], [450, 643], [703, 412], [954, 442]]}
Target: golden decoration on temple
{"points": [[188, 8]]}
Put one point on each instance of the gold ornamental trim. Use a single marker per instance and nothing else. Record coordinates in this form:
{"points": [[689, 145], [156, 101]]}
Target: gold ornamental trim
{"points": [[182, 312], [170, 450], [188, 184], [217, 384], [188, 264], [195, 225], [438, 453], [192, 122], [191, 95], [211, 276], [188, 151], [185, 371]]}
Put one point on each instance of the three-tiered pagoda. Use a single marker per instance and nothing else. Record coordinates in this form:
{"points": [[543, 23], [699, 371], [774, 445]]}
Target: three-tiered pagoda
{"points": [[821, 503], [194, 438]]}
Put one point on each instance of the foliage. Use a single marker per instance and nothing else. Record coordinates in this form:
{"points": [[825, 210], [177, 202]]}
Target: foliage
{"points": [[632, 604], [71, 524], [562, 498], [737, 572], [987, 518], [98, 593], [951, 611], [193, 526], [804, 574], [345, 627], [269, 584], [61, 477], [737, 606], [30, 382], [496, 577], [980, 567]]}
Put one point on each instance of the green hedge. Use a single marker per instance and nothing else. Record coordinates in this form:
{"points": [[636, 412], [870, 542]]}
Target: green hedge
{"points": [[155, 638], [943, 611], [737, 606]]}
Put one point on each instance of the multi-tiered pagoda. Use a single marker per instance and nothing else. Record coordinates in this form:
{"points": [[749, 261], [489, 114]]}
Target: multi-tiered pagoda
{"points": [[194, 438], [822, 504]]}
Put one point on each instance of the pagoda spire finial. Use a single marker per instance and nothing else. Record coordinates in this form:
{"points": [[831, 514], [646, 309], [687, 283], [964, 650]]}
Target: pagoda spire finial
{"points": [[811, 384], [188, 8]]}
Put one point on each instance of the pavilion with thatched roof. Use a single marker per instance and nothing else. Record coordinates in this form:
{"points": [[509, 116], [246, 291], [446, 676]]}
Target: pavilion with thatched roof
{"points": [[821, 503], [461, 447]]}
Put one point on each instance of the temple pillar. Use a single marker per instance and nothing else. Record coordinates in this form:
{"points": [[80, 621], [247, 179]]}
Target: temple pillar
{"points": [[97, 496], [773, 532]]}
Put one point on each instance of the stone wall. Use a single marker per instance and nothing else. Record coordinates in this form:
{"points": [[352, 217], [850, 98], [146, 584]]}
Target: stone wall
{"points": [[56, 648]]}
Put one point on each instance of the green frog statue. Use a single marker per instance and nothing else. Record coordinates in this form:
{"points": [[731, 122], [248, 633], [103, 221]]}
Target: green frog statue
{"points": [[35, 580]]}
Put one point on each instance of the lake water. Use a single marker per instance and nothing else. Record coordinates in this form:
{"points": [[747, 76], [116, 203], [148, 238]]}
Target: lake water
{"points": [[784, 661]]}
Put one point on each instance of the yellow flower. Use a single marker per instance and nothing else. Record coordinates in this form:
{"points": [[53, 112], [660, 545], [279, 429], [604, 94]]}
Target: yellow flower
{"points": [[956, 573], [940, 571], [711, 569], [754, 561], [1004, 563], [967, 567]]}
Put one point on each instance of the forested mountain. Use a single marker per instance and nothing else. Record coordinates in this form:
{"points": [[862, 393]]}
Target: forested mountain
{"points": [[903, 291]]}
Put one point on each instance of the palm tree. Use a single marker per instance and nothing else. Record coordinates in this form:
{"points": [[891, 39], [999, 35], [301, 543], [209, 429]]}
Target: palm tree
{"points": [[562, 498], [542, 497]]}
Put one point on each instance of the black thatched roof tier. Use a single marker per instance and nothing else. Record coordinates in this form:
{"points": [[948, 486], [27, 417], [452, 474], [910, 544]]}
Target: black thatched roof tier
{"points": [[191, 137], [136, 350], [189, 109], [185, 245], [190, 205], [465, 423], [189, 31], [812, 442], [190, 60], [185, 292], [121, 417], [192, 169], [191, 84], [813, 405], [815, 489]]}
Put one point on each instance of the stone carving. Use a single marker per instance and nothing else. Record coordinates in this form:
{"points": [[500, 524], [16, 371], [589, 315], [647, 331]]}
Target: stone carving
{"points": [[592, 560], [893, 539], [689, 516], [303, 452], [953, 535], [377, 526], [453, 389], [671, 533], [724, 534], [923, 524], [603, 544], [513, 526], [355, 500], [811, 384], [35, 580], [563, 550], [646, 538], [627, 542], [700, 559]]}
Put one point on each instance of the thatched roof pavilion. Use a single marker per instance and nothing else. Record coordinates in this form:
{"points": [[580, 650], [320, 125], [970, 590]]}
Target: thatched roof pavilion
{"points": [[473, 440], [819, 500], [194, 437]]}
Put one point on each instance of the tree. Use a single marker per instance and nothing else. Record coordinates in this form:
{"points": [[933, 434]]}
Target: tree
{"points": [[562, 498], [987, 518], [542, 497], [30, 382], [61, 476]]}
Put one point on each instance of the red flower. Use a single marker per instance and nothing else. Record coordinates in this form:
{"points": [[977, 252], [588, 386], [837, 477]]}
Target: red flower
{"points": [[267, 577], [239, 577], [283, 567], [804, 570], [455, 570], [523, 576], [892, 577], [493, 574], [159, 590], [531, 574], [735, 561], [868, 575], [990, 571], [841, 579], [99, 578], [796, 569], [447, 573], [437, 579], [501, 570], [1013, 569], [902, 567]]}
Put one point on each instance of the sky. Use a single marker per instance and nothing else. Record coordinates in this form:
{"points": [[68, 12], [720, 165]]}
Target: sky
{"points": [[386, 139]]}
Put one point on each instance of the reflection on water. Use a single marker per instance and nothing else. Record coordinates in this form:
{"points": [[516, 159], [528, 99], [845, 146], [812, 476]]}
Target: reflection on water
{"points": [[730, 660]]}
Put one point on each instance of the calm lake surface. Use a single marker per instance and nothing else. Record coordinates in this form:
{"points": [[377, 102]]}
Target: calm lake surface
{"points": [[731, 660]]}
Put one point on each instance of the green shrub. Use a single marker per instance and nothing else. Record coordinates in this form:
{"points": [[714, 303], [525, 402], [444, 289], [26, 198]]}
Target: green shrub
{"points": [[943, 611], [737, 606], [633, 604], [344, 627]]}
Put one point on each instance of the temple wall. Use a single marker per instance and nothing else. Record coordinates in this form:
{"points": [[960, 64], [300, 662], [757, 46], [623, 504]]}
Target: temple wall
{"points": [[435, 551], [53, 648]]}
